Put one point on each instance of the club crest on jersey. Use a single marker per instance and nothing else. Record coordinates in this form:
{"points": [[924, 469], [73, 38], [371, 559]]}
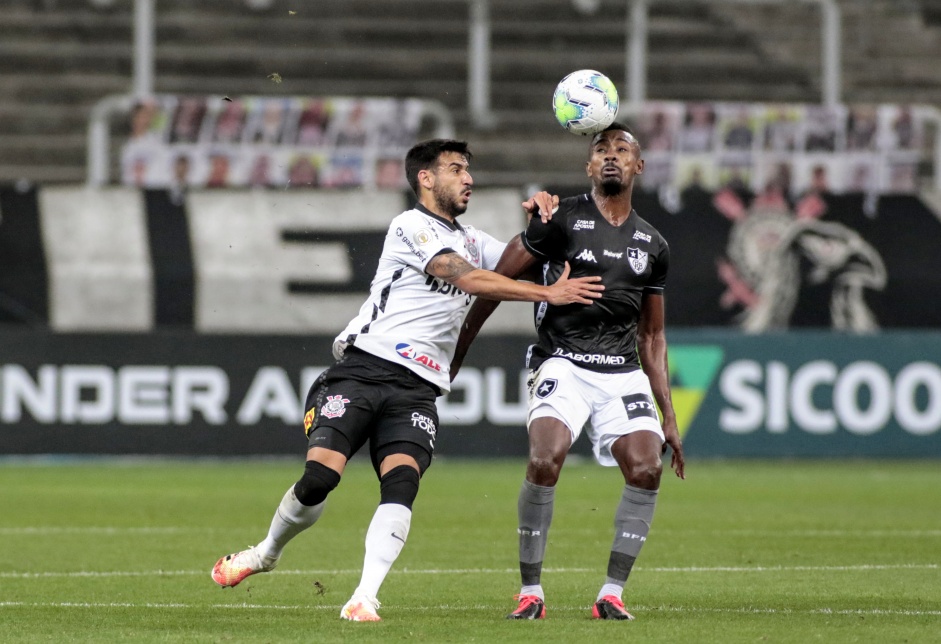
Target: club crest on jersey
{"points": [[335, 406], [545, 388], [408, 352], [471, 245], [637, 259]]}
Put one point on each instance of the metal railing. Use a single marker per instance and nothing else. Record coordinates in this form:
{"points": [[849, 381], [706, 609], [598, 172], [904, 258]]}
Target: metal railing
{"points": [[830, 34], [479, 46]]}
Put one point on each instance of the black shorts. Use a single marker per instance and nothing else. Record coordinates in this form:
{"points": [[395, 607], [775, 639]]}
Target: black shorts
{"points": [[363, 397]]}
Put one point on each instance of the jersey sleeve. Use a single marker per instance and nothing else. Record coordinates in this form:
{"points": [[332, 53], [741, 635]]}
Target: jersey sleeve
{"points": [[658, 274], [546, 241], [491, 249], [413, 241]]}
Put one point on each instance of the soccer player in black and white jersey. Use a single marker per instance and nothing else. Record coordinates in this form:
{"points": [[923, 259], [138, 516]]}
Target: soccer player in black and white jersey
{"points": [[392, 362], [605, 363]]}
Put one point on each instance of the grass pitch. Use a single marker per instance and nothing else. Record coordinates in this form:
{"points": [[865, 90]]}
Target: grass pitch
{"points": [[740, 552]]}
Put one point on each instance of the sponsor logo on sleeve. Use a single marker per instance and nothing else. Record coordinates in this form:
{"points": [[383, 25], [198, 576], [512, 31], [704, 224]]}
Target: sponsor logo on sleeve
{"points": [[423, 236], [420, 254]]}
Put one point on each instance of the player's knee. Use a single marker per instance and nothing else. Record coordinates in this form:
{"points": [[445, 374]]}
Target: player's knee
{"points": [[316, 483], [399, 485], [543, 470], [644, 474]]}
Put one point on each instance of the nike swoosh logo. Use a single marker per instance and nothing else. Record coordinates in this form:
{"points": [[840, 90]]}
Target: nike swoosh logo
{"points": [[395, 536]]}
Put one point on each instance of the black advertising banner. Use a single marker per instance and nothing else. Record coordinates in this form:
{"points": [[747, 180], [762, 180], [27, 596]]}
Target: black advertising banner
{"points": [[825, 261], [804, 394], [23, 276]]}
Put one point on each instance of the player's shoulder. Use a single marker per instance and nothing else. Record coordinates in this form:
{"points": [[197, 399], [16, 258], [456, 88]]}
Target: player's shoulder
{"points": [[575, 204], [646, 231], [417, 221], [411, 216], [575, 209], [471, 230]]}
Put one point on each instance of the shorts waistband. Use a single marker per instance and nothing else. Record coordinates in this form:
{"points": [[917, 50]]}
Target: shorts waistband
{"points": [[390, 366]]}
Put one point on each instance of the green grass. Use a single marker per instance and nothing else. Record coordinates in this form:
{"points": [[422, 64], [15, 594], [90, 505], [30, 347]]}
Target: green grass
{"points": [[741, 552]]}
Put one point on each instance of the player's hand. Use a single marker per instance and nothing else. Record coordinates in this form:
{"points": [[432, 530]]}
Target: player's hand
{"points": [[543, 203], [672, 435], [579, 290]]}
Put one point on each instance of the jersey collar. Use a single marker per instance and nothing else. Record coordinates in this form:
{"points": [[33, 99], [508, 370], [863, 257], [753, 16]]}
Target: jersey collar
{"points": [[450, 225]]}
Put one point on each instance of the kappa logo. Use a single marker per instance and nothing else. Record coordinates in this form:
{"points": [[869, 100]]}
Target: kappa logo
{"points": [[588, 256], [637, 259], [335, 406], [546, 387], [640, 235], [584, 224]]}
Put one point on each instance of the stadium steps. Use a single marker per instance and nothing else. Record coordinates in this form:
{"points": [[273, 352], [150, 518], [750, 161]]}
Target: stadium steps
{"points": [[58, 58]]}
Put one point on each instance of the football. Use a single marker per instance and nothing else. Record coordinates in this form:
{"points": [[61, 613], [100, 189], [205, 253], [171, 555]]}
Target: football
{"points": [[585, 102]]}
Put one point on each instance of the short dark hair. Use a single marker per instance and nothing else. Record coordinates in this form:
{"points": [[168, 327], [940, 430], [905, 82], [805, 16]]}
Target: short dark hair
{"points": [[425, 154], [618, 127]]}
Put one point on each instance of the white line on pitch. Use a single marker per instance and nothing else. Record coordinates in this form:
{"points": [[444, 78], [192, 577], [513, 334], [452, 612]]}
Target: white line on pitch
{"points": [[53, 530], [466, 607], [132, 530], [471, 571]]}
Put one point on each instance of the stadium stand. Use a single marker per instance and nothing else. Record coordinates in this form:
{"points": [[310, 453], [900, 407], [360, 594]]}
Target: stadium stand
{"points": [[59, 57]]}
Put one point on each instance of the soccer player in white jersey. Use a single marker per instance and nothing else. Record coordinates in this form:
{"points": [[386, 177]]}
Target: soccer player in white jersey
{"points": [[392, 362], [604, 364]]}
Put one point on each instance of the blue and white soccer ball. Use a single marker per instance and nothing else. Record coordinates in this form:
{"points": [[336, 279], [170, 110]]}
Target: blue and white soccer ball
{"points": [[585, 102]]}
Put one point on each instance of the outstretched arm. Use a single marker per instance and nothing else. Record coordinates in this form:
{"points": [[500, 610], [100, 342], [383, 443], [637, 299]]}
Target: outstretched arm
{"points": [[454, 269], [514, 263], [652, 350]]}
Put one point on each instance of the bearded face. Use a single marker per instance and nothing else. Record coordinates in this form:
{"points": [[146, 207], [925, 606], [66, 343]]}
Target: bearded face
{"points": [[452, 186]]}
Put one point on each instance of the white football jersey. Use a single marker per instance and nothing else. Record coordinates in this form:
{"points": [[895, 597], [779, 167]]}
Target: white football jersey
{"points": [[412, 318]]}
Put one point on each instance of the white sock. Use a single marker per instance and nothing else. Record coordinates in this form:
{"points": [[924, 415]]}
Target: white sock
{"points": [[385, 539], [610, 589], [533, 590], [291, 518]]}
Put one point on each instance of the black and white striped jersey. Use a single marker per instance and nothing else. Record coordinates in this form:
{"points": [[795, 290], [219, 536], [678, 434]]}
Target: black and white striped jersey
{"points": [[412, 318], [632, 259]]}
